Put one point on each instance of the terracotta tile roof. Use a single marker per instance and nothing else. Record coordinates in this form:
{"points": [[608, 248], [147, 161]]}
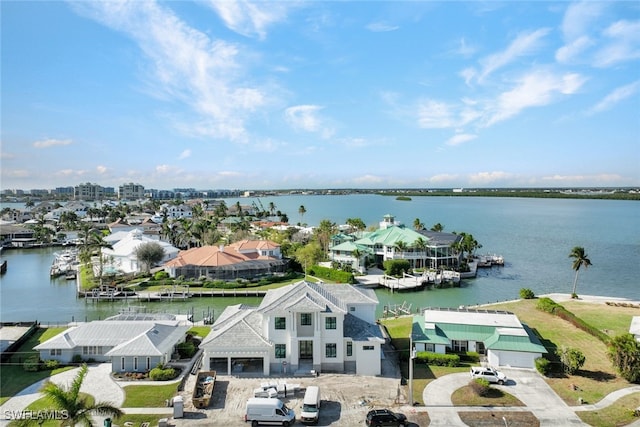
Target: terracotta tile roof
{"points": [[216, 256]]}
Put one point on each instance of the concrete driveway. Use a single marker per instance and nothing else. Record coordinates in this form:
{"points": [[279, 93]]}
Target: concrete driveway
{"points": [[528, 386]]}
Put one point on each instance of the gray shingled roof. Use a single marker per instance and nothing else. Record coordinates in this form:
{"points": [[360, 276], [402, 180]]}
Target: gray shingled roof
{"points": [[359, 330]]}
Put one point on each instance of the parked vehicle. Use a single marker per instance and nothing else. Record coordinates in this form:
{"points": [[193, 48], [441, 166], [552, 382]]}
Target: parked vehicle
{"points": [[385, 417], [488, 374], [310, 413], [261, 410]]}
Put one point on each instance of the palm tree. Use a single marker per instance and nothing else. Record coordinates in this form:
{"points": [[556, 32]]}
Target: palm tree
{"points": [[302, 210], [580, 258], [77, 407], [417, 224]]}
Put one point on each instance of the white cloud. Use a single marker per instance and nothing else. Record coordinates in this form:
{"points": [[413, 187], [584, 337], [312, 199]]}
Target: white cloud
{"points": [[250, 18], [581, 179], [443, 178], [435, 115], [380, 27], [534, 89], [185, 154], [579, 18], [368, 179], [186, 65], [524, 44], [308, 119], [461, 138], [623, 44], [101, 170], [51, 142], [619, 94], [483, 178], [573, 50]]}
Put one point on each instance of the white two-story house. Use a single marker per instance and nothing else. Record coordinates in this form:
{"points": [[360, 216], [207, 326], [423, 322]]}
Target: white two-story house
{"points": [[297, 329]]}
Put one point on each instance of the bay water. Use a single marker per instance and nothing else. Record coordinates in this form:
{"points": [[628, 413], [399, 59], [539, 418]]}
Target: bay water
{"points": [[535, 236]]}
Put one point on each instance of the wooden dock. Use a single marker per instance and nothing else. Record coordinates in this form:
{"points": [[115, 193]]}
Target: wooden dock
{"points": [[148, 296]]}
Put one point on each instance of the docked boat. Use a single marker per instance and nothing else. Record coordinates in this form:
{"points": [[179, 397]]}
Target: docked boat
{"points": [[64, 262]]}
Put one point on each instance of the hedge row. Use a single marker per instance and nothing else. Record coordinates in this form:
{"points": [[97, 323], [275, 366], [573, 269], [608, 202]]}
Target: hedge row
{"points": [[550, 306], [437, 359], [332, 275]]}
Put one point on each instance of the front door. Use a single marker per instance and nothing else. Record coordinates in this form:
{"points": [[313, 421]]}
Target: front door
{"points": [[306, 350]]}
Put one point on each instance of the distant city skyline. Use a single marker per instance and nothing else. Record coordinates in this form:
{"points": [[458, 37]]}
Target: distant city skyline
{"points": [[282, 94]]}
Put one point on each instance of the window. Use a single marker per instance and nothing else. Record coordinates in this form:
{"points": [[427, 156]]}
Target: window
{"points": [[331, 350], [367, 347], [305, 319], [352, 308], [122, 363], [430, 347], [91, 349], [459, 346], [349, 348], [148, 363], [330, 323], [281, 323], [55, 352], [281, 351], [135, 363]]}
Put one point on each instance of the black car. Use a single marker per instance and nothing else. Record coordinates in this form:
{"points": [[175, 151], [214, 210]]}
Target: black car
{"points": [[385, 417]]}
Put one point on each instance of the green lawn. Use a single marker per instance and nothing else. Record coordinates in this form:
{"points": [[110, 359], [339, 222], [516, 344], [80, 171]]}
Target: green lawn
{"points": [[619, 414], [592, 383], [45, 405], [149, 396], [13, 378]]}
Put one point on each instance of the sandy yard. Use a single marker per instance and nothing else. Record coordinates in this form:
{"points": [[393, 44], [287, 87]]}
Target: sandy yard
{"points": [[346, 399]]}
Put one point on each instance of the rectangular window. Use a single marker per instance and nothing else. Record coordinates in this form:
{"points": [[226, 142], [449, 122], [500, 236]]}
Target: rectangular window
{"points": [[331, 350], [281, 323], [148, 363], [305, 319], [352, 308], [281, 351], [368, 347], [135, 363], [349, 348], [122, 363], [459, 346], [429, 347], [52, 352], [330, 323]]}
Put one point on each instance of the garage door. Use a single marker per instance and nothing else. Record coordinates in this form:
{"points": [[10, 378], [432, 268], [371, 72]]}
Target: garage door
{"points": [[516, 359], [247, 365]]}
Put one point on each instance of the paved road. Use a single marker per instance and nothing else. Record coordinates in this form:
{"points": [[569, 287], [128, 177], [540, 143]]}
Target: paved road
{"points": [[527, 386]]}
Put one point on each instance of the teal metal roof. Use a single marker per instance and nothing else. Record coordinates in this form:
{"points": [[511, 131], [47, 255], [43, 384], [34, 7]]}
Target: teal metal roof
{"points": [[392, 235], [423, 335]]}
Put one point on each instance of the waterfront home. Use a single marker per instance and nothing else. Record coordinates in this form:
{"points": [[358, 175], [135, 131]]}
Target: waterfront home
{"points": [[130, 345], [16, 236], [421, 248], [245, 259], [498, 336], [122, 256], [298, 329]]}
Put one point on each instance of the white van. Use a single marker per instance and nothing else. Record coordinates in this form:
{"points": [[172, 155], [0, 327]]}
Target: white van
{"points": [[311, 405], [261, 410]]}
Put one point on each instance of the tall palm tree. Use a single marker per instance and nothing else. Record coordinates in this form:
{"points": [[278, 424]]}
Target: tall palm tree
{"points": [[417, 224], [77, 407], [580, 258], [302, 210]]}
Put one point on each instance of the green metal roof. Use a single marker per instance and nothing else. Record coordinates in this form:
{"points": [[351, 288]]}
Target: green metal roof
{"points": [[391, 235]]}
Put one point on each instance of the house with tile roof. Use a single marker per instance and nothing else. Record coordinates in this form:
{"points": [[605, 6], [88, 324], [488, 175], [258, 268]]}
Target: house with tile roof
{"points": [[297, 329], [499, 336], [245, 259], [130, 345]]}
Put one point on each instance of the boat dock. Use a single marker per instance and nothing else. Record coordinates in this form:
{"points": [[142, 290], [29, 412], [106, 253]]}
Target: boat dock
{"points": [[410, 282], [117, 294], [487, 261]]}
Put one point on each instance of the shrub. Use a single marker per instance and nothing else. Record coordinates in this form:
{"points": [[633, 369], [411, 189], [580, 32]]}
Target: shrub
{"points": [[331, 274], [160, 373], [480, 386], [469, 357], [395, 267], [51, 364], [547, 304], [160, 275], [32, 364], [572, 359], [437, 359], [543, 365], [186, 349], [526, 293]]}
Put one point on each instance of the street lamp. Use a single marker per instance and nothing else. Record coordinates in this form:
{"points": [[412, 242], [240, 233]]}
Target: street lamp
{"points": [[411, 357]]}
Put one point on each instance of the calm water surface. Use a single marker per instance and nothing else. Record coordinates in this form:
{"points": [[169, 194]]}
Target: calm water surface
{"points": [[534, 235]]}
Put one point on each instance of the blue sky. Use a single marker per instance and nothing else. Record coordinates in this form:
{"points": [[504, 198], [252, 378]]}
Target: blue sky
{"points": [[337, 94]]}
